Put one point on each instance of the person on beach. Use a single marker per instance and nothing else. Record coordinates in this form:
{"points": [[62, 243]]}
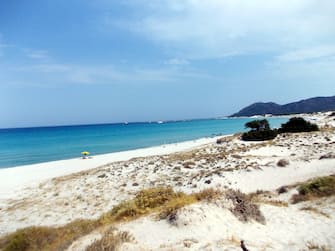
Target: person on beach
{"points": [[85, 154]]}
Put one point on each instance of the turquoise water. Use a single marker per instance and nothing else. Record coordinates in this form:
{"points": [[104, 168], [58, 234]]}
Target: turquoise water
{"points": [[24, 146]]}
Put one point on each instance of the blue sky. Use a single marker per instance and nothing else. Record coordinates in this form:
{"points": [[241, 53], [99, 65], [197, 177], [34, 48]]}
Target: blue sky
{"points": [[79, 62]]}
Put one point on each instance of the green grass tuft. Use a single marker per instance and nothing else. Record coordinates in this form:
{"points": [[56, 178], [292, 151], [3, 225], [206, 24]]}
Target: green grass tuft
{"points": [[318, 187]]}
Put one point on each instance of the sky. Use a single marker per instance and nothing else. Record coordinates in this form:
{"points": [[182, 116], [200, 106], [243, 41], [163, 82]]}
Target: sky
{"points": [[81, 61]]}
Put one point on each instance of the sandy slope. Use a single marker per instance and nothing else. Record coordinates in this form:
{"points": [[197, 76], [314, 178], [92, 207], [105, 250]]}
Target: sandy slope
{"points": [[211, 227]]}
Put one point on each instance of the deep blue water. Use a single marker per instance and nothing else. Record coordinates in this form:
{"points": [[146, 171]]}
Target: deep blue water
{"points": [[22, 146]]}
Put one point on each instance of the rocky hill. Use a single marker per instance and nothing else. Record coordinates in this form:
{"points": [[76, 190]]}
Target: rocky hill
{"points": [[317, 104]]}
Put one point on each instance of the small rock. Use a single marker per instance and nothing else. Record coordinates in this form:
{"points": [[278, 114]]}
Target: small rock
{"points": [[283, 162], [282, 189], [135, 184], [208, 181], [187, 244], [236, 156], [188, 164], [220, 141], [328, 156], [102, 175]]}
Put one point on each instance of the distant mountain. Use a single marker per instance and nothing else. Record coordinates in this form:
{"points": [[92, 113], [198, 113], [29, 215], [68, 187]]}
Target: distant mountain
{"points": [[318, 104]]}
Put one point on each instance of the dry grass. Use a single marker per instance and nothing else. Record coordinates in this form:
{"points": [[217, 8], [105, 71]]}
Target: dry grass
{"points": [[312, 246], [276, 203], [145, 201], [110, 241], [265, 197], [162, 200], [169, 211], [244, 208], [315, 188], [209, 195], [315, 211], [46, 238]]}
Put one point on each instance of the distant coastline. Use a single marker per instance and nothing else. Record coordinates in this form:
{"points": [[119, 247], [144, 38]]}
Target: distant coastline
{"points": [[317, 104]]}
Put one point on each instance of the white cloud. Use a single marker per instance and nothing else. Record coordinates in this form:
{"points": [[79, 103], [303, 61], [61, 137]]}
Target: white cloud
{"points": [[37, 54], [313, 66], [177, 61], [51, 74], [44, 68], [219, 28], [310, 53]]}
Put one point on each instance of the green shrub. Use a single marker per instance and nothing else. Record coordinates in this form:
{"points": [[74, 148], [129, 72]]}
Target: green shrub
{"points": [[260, 130], [259, 135], [298, 124], [258, 125], [318, 187]]}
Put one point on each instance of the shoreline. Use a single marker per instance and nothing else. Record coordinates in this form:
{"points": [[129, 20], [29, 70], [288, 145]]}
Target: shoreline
{"points": [[13, 179], [30, 151]]}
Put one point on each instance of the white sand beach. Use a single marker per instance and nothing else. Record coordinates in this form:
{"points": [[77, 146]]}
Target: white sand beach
{"points": [[15, 178], [56, 193]]}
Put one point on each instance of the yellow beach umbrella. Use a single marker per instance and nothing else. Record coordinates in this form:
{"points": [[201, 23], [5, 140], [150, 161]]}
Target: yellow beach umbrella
{"points": [[85, 153]]}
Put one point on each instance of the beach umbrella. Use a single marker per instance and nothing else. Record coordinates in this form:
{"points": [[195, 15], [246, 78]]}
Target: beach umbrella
{"points": [[85, 153]]}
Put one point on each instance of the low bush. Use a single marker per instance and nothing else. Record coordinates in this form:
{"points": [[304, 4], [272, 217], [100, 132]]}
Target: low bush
{"points": [[244, 209], [258, 125], [46, 238], [260, 131], [259, 135], [298, 124], [318, 187]]}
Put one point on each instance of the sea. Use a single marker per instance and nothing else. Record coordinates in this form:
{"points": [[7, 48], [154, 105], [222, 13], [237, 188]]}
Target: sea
{"points": [[23, 146]]}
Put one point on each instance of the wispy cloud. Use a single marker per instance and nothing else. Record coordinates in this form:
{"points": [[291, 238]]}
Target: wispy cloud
{"points": [[310, 53], [177, 61], [51, 74], [313, 66], [37, 54], [220, 28]]}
